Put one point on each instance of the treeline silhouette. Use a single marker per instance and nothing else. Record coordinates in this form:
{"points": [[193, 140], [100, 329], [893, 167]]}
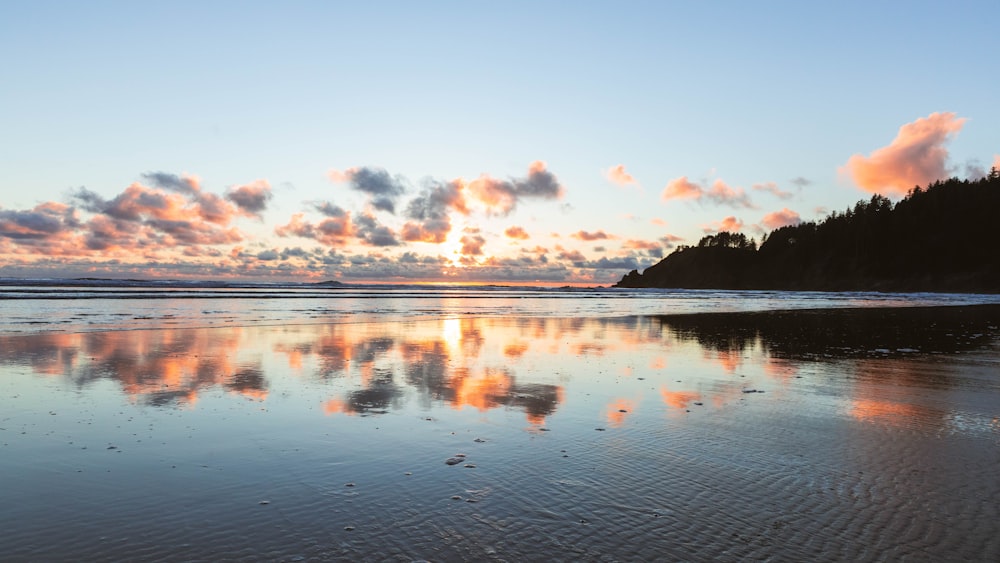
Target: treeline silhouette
{"points": [[940, 238]]}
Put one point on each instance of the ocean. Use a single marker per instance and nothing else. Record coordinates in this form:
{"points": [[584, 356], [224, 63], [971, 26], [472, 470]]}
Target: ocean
{"points": [[175, 422]]}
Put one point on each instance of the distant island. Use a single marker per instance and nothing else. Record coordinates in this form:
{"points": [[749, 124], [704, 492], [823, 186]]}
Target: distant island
{"points": [[942, 238]]}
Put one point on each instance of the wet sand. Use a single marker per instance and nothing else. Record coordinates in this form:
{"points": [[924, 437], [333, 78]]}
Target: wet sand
{"points": [[813, 435]]}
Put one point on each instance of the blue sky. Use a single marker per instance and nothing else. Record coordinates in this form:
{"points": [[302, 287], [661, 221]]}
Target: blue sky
{"points": [[99, 95]]}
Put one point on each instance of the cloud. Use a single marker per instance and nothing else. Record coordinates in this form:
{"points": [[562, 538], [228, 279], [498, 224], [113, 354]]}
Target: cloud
{"points": [[781, 218], [634, 244], [516, 233], [251, 198], [681, 188], [502, 196], [573, 256], [658, 222], [45, 221], [916, 157], [996, 161], [429, 212], [800, 182], [333, 231], [382, 188], [729, 224], [720, 193], [773, 189], [587, 236], [723, 194], [619, 176], [472, 245], [368, 230], [186, 184]]}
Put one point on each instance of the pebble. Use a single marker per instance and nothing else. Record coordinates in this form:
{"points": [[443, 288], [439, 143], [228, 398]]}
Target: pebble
{"points": [[453, 460], [599, 429], [349, 484], [264, 502], [470, 465], [349, 528], [699, 404], [479, 440], [456, 497]]}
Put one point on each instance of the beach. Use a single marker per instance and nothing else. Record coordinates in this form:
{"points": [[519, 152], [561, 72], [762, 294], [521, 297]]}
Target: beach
{"points": [[831, 434]]}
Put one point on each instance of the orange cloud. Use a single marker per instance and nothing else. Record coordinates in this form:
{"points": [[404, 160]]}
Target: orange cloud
{"points": [[502, 196], [516, 233], [634, 244], [916, 157], [782, 218], [472, 245], [618, 175], [729, 224], [681, 188], [658, 222], [587, 236], [332, 231]]}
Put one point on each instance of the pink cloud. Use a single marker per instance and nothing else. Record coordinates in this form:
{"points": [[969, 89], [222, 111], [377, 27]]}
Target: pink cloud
{"points": [[587, 236], [723, 194], [619, 176], [782, 218], [681, 188], [331, 231], [729, 225], [500, 197], [916, 157], [517, 233]]}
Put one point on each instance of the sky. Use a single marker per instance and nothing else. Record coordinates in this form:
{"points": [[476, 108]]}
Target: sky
{"points": [[542, 143]]}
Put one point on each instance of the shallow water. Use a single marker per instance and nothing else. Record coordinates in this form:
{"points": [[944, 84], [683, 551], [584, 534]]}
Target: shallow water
{"points": [[57, 308], [859, 436]]}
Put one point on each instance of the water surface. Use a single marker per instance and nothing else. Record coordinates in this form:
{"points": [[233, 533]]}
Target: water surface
{"points": [[850, 435]]}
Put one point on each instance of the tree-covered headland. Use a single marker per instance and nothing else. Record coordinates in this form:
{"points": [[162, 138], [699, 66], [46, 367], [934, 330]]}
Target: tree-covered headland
{"points": [[945, 237]]}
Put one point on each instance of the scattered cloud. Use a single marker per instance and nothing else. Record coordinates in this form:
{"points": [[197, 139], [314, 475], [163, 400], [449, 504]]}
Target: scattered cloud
{"points": [[382, 188], [723, 194], [729, 224], [720, 193], [681, 188], [782, 218], [333, 231], [516, 233], [773, 189], [500, 197], [800, 182], [429, 213], [619, 176], [251, 199], [369, 231], [916, 157], [591, 236]]}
